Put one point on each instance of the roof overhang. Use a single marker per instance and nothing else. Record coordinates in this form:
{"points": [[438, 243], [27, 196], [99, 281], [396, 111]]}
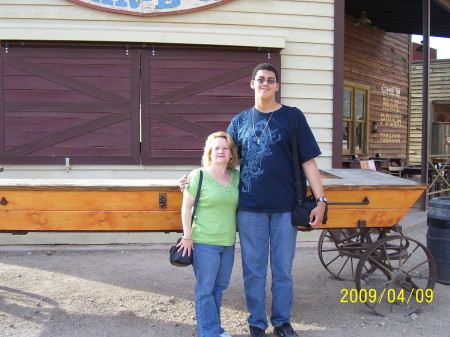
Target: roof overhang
{"points": [[403, 16]]}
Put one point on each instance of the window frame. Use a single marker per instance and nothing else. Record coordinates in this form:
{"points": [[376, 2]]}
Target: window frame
{"points": [[354, 89]]}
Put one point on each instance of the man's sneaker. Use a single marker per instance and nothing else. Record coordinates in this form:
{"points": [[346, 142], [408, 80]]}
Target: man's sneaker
{"points": [[285, 331], [225, 334], [257, 332]]}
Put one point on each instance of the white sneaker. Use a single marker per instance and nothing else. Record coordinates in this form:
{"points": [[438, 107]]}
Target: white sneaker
{"points": [[225, 334]]}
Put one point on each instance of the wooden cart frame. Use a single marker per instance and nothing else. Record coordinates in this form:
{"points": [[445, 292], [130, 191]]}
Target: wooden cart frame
{"points": [[360, 242], [393, 273]]}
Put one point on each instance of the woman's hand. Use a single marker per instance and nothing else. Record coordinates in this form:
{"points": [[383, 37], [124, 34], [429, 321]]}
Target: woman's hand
{"points": [[187, 245]]}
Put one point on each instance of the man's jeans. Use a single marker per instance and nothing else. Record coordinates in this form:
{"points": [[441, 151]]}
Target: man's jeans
{"points": [[212, 267], [260, 233]]}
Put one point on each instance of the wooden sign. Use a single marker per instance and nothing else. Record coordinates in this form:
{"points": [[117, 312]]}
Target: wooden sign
{"points": [[150, 7]]}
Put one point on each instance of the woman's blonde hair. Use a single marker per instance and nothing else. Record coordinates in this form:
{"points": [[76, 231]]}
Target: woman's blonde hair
{"points": [[234, 161]]}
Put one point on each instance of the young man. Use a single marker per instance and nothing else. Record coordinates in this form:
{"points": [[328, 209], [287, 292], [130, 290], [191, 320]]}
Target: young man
{"points": [[267, 196]]}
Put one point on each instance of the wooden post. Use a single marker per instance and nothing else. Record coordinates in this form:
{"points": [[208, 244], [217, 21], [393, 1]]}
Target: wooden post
{"points": [[425, 99]]}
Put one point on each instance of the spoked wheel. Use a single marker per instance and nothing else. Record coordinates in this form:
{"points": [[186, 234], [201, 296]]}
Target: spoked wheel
{"points": [[403, 279], [341, 249]]}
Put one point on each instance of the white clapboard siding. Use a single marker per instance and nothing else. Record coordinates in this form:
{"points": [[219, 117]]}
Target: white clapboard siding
{"points": [[302, 30]]}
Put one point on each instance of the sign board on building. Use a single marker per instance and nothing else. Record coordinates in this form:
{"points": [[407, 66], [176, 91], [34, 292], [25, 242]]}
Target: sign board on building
{"points": [[150, 7]]}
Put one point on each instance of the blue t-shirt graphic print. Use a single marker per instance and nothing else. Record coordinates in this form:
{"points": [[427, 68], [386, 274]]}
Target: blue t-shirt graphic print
{"points": [[267, 174], [259, 149]]}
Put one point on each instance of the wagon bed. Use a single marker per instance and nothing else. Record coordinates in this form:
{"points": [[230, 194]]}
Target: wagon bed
{"points": [[361, 240]]}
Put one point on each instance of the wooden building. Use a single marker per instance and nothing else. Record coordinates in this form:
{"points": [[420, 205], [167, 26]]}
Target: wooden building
{"points": [[147, 90], [439, 107], [376, 74], [125, 89]]}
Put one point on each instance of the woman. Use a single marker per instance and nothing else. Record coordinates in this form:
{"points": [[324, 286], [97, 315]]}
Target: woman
{"points": [[211, 237]]}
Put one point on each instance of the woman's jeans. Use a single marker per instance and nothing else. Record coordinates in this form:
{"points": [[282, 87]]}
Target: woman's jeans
{"points": [[212, 267], [261, 233]]}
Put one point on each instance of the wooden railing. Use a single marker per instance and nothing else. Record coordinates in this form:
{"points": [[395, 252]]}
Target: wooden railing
{"points": [[439, 177]]}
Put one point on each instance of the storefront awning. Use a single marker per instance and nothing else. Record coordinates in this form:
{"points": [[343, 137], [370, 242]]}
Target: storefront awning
{"points": [[402, 16]]}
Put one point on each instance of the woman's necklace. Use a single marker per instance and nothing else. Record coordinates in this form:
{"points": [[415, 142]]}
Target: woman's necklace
{"points": [[253, 123], [221, 179]]}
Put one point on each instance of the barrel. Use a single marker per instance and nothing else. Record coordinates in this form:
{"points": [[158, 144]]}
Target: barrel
{"points": [[438, 236]]}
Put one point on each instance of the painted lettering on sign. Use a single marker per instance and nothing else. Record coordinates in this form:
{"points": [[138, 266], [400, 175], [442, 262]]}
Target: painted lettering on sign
{"points": [[390, 90], [390, 104], [150, 7], [391, 120], [390, 137]]}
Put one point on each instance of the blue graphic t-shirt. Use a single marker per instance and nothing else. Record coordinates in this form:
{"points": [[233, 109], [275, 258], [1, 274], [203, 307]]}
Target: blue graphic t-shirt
{"points": [[267, 172]]}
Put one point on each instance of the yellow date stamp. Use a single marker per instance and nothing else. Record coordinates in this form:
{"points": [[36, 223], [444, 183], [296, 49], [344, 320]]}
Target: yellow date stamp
{"points": [[387, 295]]}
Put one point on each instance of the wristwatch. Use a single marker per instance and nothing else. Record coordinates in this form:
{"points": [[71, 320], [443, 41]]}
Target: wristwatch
{"points": [[324, 199]]}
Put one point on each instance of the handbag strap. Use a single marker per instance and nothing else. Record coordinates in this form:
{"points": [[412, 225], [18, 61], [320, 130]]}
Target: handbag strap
{"points": [[298, 181], [197, 196]]}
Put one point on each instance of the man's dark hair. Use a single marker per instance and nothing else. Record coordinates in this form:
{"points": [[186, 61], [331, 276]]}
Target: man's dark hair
{"points": [[265, 66]]}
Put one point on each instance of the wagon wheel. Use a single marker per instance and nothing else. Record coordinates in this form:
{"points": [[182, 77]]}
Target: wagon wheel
{"points": [[341, 249], [404, 277]]}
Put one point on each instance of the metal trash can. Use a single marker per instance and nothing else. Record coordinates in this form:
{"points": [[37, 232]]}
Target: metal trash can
{"points": [[438, 236]]}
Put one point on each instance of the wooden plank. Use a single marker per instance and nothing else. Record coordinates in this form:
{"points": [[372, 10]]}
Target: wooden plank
{"points": [[182, 123], [211, 82], [356, 179], [398, 198], [42, 200], [163, 221], [63, 80], [66, 134], [88, 185], [90, 221], [348, 218], [61, 107]]}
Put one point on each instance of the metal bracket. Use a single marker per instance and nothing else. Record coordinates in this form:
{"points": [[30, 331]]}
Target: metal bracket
{"points": [[162, 200], [364, 202]]}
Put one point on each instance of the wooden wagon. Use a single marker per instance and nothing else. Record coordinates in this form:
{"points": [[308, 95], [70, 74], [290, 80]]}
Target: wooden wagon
{"points": [[394, 274]]}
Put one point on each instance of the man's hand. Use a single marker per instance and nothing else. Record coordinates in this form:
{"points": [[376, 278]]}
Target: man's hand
{"points": [[183, 182], [316, 216]]}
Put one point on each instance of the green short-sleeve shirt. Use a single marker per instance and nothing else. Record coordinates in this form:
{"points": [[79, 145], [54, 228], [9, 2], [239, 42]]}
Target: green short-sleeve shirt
{"points": [[215, 217]]}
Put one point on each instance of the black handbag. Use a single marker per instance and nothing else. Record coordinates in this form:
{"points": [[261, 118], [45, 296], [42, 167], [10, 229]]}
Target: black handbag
{"points": [[176, 257], [303, 207]]}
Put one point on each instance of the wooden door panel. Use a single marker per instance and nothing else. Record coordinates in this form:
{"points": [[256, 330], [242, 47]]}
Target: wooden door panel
{"points": [[72, 102], [187, 94], [85, 103]]}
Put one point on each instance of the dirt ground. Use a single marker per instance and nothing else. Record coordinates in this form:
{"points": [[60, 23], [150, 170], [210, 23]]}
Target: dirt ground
{"points": [[121, 291]]}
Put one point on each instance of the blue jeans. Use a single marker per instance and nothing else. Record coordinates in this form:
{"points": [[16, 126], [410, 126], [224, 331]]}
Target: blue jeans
{"points": [[261, 233], [212, 267]]}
